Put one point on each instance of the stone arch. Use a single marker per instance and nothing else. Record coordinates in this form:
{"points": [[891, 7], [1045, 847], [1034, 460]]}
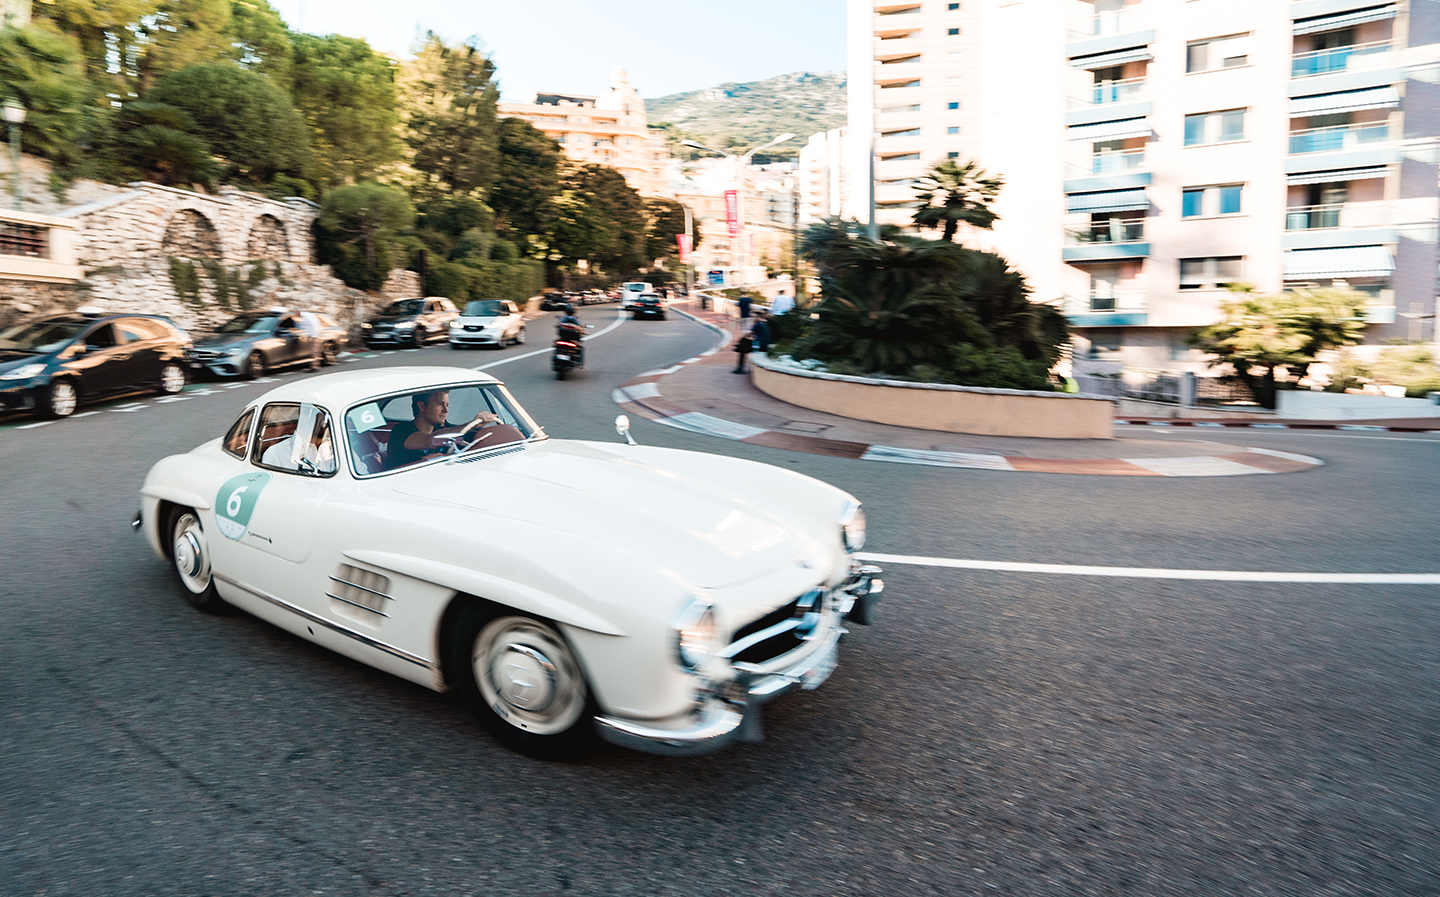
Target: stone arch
{"points": [[191, 235], [267, 240]]}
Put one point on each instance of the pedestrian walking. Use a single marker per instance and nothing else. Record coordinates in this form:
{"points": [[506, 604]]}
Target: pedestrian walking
{"points": [[743, 346], [761, 331], [310, 326], [744, 303], [781, 303]]}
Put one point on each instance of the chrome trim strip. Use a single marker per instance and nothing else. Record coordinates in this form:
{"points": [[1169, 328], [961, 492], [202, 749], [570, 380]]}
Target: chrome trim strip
{"points": [[756, 638], [359, 637], [378, 613], [346, 582]]}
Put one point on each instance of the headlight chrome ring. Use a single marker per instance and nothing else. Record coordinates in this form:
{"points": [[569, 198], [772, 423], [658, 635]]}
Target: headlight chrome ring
{"points": [[852, 528], [696, 635]]}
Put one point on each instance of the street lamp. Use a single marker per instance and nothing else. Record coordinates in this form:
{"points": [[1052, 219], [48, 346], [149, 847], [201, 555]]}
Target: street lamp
{"points": [[14, 117]]}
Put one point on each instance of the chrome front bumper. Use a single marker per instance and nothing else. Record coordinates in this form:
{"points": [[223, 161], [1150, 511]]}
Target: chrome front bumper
{"points": [[729, 712]]}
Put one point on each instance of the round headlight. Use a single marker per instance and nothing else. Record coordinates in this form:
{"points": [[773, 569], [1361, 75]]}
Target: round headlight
{"points": [[852, 528], [696, 638]]}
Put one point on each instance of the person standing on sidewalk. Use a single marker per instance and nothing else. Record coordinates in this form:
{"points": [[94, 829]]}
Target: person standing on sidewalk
{"points": [[744, 303], [761, 331], [310, 326], [781, 303], [742, 349]]}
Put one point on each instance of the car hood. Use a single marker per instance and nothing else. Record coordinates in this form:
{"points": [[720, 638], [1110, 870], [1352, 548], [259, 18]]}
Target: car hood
{"points": [[392, 319], [221, 340], [714, 534], [485, 320], [10, 360]]}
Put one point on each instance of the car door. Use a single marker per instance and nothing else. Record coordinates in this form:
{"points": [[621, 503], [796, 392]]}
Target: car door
{"points": [[513, 322], [102, 363], [292, 344], [146, 343]]}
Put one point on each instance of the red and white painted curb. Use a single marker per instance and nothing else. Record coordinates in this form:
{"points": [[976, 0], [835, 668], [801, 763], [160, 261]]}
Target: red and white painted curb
{"points": [[1268, 425], [641, 395]]}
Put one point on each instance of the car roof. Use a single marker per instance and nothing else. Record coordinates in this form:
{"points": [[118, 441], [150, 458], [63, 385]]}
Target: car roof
{"points": [[346, 388]]}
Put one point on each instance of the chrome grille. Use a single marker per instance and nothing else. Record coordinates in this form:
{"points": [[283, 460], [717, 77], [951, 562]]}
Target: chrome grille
{"points": [[359, 594], [779, 632]]}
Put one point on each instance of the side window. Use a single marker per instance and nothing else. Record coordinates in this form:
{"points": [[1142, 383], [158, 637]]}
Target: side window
{"points": [[137, 330], [294, 439], [239, 435], [102, 337]]}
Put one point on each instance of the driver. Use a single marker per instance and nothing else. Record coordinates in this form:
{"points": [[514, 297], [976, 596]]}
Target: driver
{"points": [[413, 441]]}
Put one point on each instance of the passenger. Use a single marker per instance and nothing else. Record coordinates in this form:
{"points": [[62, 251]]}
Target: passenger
{"points": [[413, 441], [319, 453]]}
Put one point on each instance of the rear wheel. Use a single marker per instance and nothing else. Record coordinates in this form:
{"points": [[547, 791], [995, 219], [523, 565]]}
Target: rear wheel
{"points": [[61, 399], [190, 556], [520, 678], [255, 366], [520, 336], [172, 379], [328, 353]]}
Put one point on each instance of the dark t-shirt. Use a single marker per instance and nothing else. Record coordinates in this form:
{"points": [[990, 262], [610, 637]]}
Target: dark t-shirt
{"points": [[396, 454], [744, 303]]}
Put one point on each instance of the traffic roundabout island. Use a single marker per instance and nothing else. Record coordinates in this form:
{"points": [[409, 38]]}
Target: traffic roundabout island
{"points": [[974, 410]]}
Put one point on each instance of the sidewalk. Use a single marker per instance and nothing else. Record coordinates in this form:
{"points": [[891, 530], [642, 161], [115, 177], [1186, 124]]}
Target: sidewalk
{"points": [[702, 395]]}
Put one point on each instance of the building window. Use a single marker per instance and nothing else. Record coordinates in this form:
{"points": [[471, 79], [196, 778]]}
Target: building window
{"points": [[952, 155], [953, 31], [1215, 127], [1104, 345], [1210, 273], [1208, 201], [953, 6], [1217, 53], [953, 105], [908, 132], [953, 129]]}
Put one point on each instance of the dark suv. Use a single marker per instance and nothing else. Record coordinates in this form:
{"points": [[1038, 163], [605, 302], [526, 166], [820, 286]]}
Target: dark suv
{"points": [[410, 322], [53, 364]]}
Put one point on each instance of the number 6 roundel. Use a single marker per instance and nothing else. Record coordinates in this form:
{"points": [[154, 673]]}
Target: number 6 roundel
{"points": [[235, 502]]}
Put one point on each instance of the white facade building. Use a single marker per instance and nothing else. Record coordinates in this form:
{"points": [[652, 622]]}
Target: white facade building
{"points": [[1155, 151]]}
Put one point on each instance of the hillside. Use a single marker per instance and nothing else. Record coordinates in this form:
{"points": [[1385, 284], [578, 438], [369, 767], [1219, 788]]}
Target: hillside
{"points": [[740, 116]]}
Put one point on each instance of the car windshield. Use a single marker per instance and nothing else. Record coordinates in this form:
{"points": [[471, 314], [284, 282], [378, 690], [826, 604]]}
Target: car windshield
{"points": [[405, 307], [407, 430], [248, 324], [484, 308], [40, 336]]}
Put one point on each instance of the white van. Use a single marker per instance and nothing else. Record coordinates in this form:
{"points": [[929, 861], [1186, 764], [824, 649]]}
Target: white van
{"points": [[632, 290]]}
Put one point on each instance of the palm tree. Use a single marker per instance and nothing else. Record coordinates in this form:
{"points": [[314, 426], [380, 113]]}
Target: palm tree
{"points": [[953, 192]]}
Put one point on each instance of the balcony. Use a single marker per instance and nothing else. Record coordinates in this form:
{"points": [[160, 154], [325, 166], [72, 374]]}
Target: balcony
{"points": [[1098, 164], [1126, 20], [1340, 138], [1340, 59], [1107, 308], [1106, 92], [1118, 238], [1343, 215], [1340, 224]]}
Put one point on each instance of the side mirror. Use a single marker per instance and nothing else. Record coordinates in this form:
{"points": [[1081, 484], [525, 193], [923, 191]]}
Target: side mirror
{"points": [[622, 426]]}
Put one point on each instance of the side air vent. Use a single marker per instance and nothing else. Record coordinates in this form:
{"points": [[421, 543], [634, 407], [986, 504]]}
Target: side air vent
{"points": [[360, 595]]}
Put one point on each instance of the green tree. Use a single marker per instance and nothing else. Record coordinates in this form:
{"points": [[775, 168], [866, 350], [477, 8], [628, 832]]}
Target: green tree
{"points": [[358, 232], [1413, 367], [41, 70], [346, 91], [1259, 335], [181, 34], [953, 192], [665, 218], [527, 185], [448, 97], [157, 142], [618, 246], [245, 118], [261, 41], [106, 30]]}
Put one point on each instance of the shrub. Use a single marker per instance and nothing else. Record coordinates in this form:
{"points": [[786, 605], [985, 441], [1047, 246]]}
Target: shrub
{"points": [[186, 280]]}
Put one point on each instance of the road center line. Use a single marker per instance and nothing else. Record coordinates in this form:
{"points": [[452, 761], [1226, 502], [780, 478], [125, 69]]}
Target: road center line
{"points": [[1399, 579], [619, 319]]}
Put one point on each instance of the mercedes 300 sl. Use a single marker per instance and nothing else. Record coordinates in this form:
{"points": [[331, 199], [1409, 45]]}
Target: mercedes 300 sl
{"points": [[419, 521]]}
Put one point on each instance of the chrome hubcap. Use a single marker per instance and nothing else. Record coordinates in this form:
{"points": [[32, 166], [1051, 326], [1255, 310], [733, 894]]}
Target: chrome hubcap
{"points": [[172, 379], [62, 399], [192, 561], [528, 676]]}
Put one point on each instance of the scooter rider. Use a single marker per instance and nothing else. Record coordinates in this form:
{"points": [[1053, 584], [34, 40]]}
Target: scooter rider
{"points": [[570, 328]]}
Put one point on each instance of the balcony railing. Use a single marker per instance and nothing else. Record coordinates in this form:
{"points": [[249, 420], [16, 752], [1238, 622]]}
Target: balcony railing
{"points": [[1104, 92], [1117, 162], [1115, 21], [1115, 300], [1336, 59], [1341, 137], [1343, 215], [1118, 230]]}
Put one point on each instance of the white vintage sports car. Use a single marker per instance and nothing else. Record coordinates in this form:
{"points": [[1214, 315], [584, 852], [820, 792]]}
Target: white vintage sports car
{"points": [[418, 520]]}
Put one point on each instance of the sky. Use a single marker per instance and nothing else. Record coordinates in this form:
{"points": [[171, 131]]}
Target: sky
{"points": [[571, 46]]}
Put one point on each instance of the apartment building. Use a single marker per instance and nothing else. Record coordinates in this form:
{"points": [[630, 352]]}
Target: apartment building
{"points": [[825, 183], [608, 130], [1155, 151]]}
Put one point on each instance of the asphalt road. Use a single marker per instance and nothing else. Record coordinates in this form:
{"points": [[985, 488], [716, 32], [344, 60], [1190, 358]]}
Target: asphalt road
{"points": [[993, 733]]}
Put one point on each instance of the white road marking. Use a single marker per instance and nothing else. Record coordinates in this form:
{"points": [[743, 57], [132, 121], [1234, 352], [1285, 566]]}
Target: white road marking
{"points": [[620, 319], [169, 399], [43, 423], [1413, 579], [83, 414], [207, 391], [236, 385], [696, 422], [936, 458], [126, 409]]}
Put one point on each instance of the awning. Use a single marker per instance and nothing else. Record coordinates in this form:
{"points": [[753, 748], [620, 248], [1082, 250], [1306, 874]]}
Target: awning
{"points": [[1110, 130], [1110, 201], [1339, 174], [1371, 98], [1105, 60], [1343, 261], [1344, 19]]}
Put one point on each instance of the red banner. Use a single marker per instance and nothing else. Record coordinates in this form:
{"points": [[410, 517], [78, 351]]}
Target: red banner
{"points": [[732, 211], [683, 241]]}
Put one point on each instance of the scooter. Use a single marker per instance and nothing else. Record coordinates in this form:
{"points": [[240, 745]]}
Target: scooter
{"points": [[569, 354]]}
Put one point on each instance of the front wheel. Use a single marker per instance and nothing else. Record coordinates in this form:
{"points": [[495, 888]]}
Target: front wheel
{"points": [[520, 336], [61, 399], [520, 678], [190, 556], [254, 366], [172, 379]]}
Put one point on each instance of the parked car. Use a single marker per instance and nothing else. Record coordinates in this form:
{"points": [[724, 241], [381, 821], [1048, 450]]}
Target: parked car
{"points": [[53, 364], [488, 322], [252, 344], [553, 302], [647, 305], [568, 590], [409, 322]]}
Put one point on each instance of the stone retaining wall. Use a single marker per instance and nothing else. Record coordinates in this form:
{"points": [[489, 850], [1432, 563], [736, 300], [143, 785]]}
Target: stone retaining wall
{"points": [[931, 406]]}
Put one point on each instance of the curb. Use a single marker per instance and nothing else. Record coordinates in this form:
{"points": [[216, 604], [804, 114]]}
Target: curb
{"points": [[1266, 425], [641, 395]]}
